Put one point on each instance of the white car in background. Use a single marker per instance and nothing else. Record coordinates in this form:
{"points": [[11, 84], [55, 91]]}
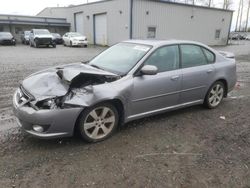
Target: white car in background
{"points": [[74, 39]]}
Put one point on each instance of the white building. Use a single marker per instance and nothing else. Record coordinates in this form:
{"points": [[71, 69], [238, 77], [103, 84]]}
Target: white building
{"points": [[111, 21]]}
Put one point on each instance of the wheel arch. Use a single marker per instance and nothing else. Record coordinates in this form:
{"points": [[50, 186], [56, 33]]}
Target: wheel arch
{"points": [[118, 104], [224, 81]]}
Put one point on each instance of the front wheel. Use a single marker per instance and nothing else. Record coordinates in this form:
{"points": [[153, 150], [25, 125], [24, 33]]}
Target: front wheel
{"points": [[215, 95], [99, 122]]}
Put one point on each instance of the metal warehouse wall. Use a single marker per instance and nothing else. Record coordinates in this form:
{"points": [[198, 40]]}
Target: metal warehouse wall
{"points": [[180, 22], [118, 12], [117, 19]]}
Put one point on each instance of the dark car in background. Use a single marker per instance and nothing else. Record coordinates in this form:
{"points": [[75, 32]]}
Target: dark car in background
{"points": [[7, 38], [57, 38], [40, 37], [25, 37]]}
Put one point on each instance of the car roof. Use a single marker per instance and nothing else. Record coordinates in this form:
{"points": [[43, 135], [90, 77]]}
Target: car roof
{"points": [[157, 43]]}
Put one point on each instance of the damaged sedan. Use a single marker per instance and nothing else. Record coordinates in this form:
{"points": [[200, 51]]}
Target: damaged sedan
{"points": [[130, 80]]}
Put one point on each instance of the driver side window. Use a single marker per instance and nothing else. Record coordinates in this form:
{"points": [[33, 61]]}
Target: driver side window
{"points": [[165, 58]]}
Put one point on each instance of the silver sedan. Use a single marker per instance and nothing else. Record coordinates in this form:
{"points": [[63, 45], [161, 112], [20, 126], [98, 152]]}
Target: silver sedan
{"points": [[130, 80]]}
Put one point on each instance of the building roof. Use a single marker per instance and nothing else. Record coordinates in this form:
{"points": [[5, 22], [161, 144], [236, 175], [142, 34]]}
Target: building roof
{"points": [[157, 1], [32, 20]]}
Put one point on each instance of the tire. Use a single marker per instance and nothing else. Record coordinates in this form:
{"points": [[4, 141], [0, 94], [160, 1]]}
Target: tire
{"points": [[35, 44], [98, 122], [215, 95]]}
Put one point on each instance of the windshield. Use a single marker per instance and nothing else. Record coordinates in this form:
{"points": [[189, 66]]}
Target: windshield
{"points": [[5, 34], [41, 32], [75, 35], [26, 32], [56, 35], [120, 58]]}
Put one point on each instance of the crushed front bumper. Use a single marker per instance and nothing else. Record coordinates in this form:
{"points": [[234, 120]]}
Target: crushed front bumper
{"points": [[55, 122]]}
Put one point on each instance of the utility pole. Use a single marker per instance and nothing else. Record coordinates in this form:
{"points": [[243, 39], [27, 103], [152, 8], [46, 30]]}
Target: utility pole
{"points": [[209, 3]]}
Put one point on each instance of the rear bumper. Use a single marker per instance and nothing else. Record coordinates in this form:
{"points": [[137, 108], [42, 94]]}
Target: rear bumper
{"points": [[56, 122]]}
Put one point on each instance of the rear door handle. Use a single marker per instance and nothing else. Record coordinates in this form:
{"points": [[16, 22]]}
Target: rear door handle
{"points": [[174, 78]]}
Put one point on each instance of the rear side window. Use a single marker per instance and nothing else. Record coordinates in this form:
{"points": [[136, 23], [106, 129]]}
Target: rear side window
{"points": [[192, 56], [210, 56]]}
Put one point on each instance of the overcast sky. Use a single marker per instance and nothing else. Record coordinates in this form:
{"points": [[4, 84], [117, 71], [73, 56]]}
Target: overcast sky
{"points": [[32, 7]]}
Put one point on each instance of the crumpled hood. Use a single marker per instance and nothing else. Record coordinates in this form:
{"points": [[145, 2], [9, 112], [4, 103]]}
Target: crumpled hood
{"points": [[55, 82]]}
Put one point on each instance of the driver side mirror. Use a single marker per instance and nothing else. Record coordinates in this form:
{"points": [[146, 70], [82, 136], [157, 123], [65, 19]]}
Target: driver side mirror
{"points": [[149, 70]]}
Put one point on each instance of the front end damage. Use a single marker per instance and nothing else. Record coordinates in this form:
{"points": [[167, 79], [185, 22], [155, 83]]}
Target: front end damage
{"points": [[48, 103]]}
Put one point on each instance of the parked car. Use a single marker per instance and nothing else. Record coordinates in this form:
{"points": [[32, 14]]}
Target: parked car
{"points": [[25, 37], [7, 38], [248, 37], [57, 38], [40, 37], [74, 39], [130, 80], [235, 36]]}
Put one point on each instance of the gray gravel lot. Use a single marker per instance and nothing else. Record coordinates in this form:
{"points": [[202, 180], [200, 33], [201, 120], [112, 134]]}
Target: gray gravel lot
{"points": [[192, 147]]}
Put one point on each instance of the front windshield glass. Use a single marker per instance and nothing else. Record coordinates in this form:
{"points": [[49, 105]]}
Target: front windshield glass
{"points": [[75, 35], [56, 35], [120, 58], [42, 32], [5, 34]]}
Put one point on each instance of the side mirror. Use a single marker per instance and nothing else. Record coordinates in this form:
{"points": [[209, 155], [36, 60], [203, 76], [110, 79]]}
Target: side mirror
{"points": [[149, 70]]}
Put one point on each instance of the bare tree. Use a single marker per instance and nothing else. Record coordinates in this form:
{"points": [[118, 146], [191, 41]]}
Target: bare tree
{"points": [[247, 19], [238, 15], [241, 14]]}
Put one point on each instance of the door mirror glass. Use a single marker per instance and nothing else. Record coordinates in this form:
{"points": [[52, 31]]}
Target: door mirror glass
{"points": [[149, 70]]}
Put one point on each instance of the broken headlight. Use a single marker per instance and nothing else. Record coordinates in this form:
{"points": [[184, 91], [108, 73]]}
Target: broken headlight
{"points": [[47, 104]]}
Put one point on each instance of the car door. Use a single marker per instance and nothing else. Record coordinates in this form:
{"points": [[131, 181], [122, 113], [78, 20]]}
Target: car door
{"points": [[197, 72], [155, 92]]}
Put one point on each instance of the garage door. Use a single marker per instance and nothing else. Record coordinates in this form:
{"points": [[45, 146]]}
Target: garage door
{"points": [[79, 22], [101, 29]]}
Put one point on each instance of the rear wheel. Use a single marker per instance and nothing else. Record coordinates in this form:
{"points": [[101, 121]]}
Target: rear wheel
{"points": [[215, 95], [99, 122]]}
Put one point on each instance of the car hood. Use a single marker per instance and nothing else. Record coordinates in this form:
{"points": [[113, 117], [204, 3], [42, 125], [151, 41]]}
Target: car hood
{"points": [[56, 82], [78, 38], [44, 36], [6, 38]]}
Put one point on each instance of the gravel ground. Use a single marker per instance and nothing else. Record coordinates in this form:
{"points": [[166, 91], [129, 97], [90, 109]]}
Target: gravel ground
{"points": [[192, 147]]}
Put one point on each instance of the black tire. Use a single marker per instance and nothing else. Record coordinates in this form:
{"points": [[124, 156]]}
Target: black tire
{"points": [[85, 116], [218, 97]]}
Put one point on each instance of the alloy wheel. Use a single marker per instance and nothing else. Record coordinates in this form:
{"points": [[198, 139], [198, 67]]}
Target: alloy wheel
{"points": [[216, 95], [99, 122]]}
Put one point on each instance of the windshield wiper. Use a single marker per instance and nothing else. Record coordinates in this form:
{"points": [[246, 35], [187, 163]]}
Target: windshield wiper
{"points": [[96, 67]]}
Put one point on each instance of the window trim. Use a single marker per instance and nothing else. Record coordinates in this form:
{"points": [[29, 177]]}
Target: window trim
{"points": [[136, 73], [201, 47]]}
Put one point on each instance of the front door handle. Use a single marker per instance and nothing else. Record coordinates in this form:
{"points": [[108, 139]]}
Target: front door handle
{"points": [[209, 71], [174, 78]]}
